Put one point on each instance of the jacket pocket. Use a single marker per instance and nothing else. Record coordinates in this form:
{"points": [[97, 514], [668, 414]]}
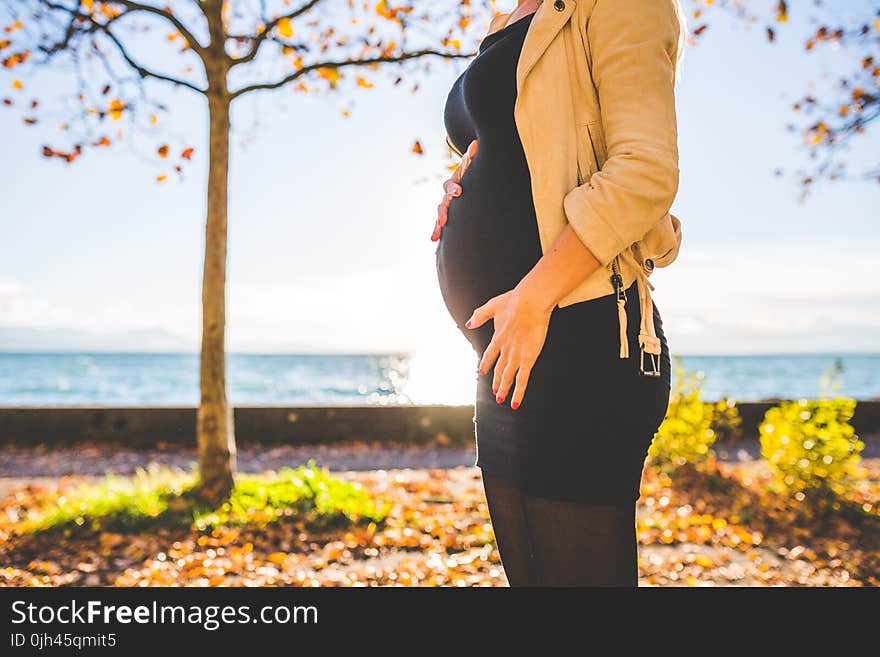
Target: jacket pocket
{"points": [[587, 163]]}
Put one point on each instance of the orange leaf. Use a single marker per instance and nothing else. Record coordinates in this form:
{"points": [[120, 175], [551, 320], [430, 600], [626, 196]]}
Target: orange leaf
{"points": [[154, 119], [161, 178], [187, 154], [417, 148], [330, 74], [116, 108], [16, 84], [163, 150], [366, 84], [285, 29]]}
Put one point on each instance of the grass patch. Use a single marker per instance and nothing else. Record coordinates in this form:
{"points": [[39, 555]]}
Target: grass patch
{"points": [[160, 497]]}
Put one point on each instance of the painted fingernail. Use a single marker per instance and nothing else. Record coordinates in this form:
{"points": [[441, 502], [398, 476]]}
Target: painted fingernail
{"points": [[514, 405], [499, 399], [467, 324], [494, 390]]}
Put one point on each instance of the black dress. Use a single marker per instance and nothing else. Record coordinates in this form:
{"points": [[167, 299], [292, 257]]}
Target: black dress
{"points": [[588, 416]]}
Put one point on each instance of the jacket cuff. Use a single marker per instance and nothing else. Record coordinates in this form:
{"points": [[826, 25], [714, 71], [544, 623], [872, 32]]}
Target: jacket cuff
{"points": [[597, 234]]}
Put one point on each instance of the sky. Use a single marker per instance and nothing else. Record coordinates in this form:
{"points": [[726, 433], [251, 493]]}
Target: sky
{"points": [[330, 219]]}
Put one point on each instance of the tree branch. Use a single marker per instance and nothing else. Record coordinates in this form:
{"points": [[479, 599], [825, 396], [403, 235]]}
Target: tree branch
{"points": [[265, 86], [262, 36], [145, 72], [95, 26], [133, 6]]}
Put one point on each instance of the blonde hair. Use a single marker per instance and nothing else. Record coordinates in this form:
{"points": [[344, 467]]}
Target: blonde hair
{"points": [[682, 39]]}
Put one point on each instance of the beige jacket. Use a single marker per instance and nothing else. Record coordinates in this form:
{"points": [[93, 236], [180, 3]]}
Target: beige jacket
{"points": [[595, 112]]}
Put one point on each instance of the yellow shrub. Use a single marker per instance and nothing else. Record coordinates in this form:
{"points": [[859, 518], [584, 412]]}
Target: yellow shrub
{"points": [[812, 445], [686, 434]]}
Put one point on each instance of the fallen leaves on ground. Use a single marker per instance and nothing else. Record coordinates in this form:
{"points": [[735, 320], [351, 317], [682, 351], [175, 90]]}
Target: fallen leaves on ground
{"points": [[724, 527]]}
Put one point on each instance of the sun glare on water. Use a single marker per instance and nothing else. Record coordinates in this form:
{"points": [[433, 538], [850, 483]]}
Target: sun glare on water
{"points": [[444, 373]]}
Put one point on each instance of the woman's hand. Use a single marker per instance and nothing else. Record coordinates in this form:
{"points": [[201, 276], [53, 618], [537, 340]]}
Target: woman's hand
{"points": [[521, 318], [452, 188]]}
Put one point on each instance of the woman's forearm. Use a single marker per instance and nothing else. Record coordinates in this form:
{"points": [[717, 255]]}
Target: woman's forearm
{"points": [[562, 268]]}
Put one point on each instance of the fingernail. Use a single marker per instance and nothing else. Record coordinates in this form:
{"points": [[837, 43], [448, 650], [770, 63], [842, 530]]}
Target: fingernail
{"points": [[494, 390], [499, 399], [467, 324], [514, 405]]}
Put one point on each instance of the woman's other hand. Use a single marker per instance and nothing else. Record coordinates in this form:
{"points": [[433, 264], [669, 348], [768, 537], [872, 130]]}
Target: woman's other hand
{"points": [[452, 188], [521, 319]]}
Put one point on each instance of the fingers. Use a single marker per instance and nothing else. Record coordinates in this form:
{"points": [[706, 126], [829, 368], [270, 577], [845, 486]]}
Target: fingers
{"points": [[511, 371], [489, 356], [443, 209], [436, 234], [481, 315], [451, 187], [505, 380], [522, 381], [471, 151]]}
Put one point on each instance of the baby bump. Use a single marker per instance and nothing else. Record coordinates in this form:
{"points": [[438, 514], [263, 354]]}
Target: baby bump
{"points": [[490, 241]]}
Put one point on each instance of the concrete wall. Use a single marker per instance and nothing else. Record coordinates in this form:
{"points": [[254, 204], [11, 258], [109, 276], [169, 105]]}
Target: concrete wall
{"points": [[145, 426]]}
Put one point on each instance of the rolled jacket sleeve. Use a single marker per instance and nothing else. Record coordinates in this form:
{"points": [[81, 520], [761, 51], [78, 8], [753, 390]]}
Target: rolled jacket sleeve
{"points": [[634, 46]]}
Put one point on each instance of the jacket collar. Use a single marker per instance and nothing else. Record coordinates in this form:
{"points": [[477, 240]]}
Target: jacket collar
{"points": [[549, 18]]}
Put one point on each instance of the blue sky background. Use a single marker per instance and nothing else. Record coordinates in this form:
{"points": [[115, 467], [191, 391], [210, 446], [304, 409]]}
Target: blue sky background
{"points": [[330, 218]]}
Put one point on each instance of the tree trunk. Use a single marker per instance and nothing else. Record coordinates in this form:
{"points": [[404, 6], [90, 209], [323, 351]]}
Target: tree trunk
{"points": [[216, 433]]}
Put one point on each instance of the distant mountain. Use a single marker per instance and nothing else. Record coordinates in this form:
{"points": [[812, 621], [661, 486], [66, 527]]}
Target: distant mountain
{"points": [[24, 338]]}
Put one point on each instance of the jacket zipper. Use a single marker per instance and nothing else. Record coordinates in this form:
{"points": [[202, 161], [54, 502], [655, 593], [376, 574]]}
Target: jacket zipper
{"points": [[617, 280]]}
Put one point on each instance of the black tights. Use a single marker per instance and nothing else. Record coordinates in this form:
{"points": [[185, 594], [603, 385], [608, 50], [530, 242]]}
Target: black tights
{"points": [[547, 542]]}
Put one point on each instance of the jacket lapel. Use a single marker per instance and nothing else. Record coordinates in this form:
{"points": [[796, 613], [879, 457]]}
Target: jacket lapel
{"points": [[546, 23]]}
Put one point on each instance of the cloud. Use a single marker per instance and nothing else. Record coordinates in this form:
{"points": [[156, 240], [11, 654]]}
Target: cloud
{"points": [[771, 298]]}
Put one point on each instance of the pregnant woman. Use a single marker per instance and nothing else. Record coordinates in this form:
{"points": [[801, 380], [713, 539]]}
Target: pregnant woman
{"points": [[569, 166]]}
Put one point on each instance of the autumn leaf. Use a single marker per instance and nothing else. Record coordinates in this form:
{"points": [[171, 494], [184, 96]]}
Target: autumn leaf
{"points": [[154, 119], [417, 148], [17, 84], [115, 109], [366, 84], [782, 12], [285, 29], [329, 73], [30, 120], [700, 29], [89, 5], [4, 44], [161, 178], [771, 35], [163, 151], [187, 154], [103, 141]]}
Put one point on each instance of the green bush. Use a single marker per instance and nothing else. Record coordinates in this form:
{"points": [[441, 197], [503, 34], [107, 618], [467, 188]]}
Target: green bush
{"points": [[726, 420], [160, 497], [687, 434], [812, 446]]}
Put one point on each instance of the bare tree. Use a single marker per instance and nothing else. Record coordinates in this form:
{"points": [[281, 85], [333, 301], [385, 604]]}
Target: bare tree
{"points": [[119, 49]]}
